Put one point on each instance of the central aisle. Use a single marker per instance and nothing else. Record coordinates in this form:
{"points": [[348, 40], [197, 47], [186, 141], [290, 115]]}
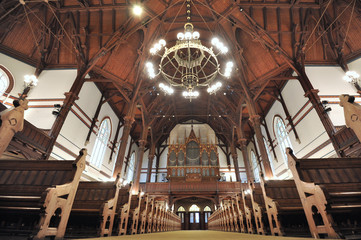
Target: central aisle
{"points": [[197, 235]]}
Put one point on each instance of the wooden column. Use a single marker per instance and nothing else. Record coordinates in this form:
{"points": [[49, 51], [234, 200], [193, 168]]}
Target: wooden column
{"points": [[288, 116], [312, 95], [235, 162], [256, 122], [128, 121], [157, 163], [70, 98], [115, 140], [95, 119], [138, 168], [270, 140], [243, 144], [150, 162]]}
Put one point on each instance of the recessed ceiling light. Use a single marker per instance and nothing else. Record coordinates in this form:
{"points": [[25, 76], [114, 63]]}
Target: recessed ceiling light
{"points": [[137, 10]]}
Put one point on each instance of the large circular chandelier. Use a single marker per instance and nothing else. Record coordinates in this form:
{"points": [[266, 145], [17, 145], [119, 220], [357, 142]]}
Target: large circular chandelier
{"points": [[189, 64]]}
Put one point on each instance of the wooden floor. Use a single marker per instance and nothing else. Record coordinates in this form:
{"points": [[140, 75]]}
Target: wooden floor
{"points": [[197, 235]]}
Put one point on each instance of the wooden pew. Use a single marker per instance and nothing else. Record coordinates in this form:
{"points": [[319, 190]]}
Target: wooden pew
{"points": [[241, 213], [235, 215], [33, 190], [150, 216], [94, 209], [248, 210], [259, 208], [149, 201], [330, 192], [124, 213], [32, 142], [136, 219], [284, 208]]}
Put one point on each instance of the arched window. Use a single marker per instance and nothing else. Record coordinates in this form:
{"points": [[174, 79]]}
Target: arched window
{"points": [[269, 155], [207, 213], [181, 209], [194, 214], [6, 81], [181, 212], [194, 208], [131, 167], [101, 143], [255, 166], [207, 209], [282, 136]]}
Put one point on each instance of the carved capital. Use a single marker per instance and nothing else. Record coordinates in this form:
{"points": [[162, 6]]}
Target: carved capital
{"points": [[71, 95], [128, 121], [142, 143], [255, 120], [242, 142], [313, 92]]}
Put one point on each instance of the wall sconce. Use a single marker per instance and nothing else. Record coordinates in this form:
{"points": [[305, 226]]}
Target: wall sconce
{"points": [[353, 77], [29, 82]]}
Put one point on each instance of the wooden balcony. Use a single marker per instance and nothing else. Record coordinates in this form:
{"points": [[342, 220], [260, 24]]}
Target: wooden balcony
{"points": [[193, 188]]}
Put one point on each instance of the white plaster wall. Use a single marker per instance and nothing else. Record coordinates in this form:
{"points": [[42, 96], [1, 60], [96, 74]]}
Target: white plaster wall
{"points": [[328, 80], [308, 126]]}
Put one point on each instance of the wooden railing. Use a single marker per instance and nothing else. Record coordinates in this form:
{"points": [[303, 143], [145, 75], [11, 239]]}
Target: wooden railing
{"points": [[31, 142], [347, 141], [179, 187]]}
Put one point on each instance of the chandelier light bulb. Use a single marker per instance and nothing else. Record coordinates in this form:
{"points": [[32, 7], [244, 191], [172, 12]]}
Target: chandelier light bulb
{"points": [[219, 45], [162, 42], [153, 51], [180, 36], [149, 65], [215, 41], [196, 35], [161, 85], [137, 10], [224, 50], [227, 74], [157, 46], [219, 84], [188, 35], [196, 94], [185, 94], [229, 65]]}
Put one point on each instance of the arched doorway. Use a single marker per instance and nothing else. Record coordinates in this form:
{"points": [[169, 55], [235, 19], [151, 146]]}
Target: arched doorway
{"points": [[194, 212]]}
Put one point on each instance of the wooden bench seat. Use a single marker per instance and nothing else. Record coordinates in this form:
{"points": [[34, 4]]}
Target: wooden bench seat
{"points": [[38, 195], [241, 213], [248, 210], [284, 208], [32, 142], [259, 208], [330, 190], [94, 209]]}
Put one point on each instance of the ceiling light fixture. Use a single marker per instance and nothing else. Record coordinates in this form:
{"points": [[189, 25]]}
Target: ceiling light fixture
{"points": [[189, 64], [137, 10]]}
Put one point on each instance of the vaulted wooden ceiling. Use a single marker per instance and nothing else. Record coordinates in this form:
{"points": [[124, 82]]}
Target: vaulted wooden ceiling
{"points": [[103, 36]]}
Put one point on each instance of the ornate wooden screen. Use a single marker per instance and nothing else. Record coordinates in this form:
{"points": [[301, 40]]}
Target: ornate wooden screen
{"points": [[193, 161]]}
